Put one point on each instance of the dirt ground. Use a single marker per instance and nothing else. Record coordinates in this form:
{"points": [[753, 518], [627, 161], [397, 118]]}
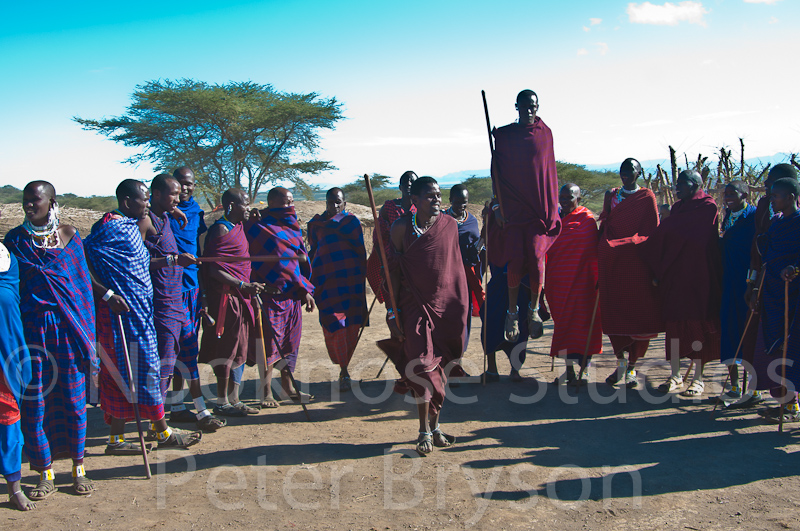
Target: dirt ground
{"points": [[529, 455]]}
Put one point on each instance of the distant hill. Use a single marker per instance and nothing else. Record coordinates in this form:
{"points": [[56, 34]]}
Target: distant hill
{"points": [[650, 165]]}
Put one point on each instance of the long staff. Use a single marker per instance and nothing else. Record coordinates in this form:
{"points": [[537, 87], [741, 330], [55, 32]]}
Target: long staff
{"points": [[270, 258], [485, 279], [491, 147], [785, 348], [750, 314], [382, 252], [133, 401], [585, 359], [278, 348]]}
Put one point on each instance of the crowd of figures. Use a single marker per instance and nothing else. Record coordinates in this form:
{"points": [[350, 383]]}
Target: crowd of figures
{"points": [[123, 317]]}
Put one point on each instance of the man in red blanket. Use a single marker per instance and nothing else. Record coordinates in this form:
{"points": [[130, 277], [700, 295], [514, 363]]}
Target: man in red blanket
{"points": [[229, 294], [338, 265], [428, 330], [276, 231], [390, 211], [630, 308], [525, 182], [571, 287], [683, 253]]}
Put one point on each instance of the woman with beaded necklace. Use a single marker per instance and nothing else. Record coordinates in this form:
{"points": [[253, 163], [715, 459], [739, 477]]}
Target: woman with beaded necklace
{"points": [[59, 322]]}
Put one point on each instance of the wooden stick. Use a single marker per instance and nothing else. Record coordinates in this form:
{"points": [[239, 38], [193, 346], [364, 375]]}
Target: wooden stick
{"points": [[785, 348], [271, 258], [278, 348], [485, 278], [382, 252], [491, 148], [133, 401], [691, 364], [585, 359], [741, 342]]}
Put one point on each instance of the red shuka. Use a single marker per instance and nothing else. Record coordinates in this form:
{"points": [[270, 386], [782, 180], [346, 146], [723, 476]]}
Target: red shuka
{"points": [[571, 285]]}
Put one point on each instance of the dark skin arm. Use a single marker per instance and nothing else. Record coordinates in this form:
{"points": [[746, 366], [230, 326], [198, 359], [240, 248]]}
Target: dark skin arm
{"points": [[252, 288], [146, 228], [396, 235]]}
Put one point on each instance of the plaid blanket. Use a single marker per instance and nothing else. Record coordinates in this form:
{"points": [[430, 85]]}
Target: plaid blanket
{"points": [[338, 265], [121, 262], [279, 233], [57, 280]]}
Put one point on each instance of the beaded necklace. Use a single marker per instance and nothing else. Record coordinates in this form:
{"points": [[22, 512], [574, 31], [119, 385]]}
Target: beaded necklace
{"points": [[453, 214], [45, 236], [418, 230], [622, 193], [730, 221]]}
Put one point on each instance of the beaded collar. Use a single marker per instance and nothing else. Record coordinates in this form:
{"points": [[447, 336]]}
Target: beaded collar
{"points": [[45, 236]]}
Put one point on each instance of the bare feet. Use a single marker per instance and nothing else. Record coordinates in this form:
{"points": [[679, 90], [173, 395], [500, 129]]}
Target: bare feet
{"points": [[21, 502]]}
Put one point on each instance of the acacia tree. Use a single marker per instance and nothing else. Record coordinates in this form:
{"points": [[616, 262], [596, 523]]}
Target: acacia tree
{"points": [[239, 134]]}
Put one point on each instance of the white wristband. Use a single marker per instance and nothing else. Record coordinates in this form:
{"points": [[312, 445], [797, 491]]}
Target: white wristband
{"points": [[108, 295]]}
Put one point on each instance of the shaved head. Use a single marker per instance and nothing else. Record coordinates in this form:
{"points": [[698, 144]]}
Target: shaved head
{"points": [[183, 172], [233, 196], [279, 197], [572, 188], [46, 187]]}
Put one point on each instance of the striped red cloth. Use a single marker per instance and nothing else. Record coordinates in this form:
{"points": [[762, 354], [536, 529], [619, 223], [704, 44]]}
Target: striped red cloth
{"points": [[341, 344], [571, 285]]}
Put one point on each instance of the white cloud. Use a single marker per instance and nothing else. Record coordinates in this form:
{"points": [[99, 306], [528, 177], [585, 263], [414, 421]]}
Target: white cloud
{"points": [[668, 14], [595, 21], [601, 47], [583, 51], [585, 28], [773, 20], [770, 2]]}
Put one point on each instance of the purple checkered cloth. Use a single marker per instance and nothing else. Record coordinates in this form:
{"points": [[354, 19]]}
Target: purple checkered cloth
{"points": [[58, 319], [282, 320], [119, 259], [279, 233], [339, 268]]}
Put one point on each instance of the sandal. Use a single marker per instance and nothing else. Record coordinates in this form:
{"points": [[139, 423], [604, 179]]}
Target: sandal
{"points": [[511, 332], [43, 490], [210, 424], [183, 415], [773, 417], [241, 406], [269, 403], [181, 440], [424, 443], [535, 324], [83, 486], [227, 410], [304, 398], [125, 448], [441, 439], [673, 383], [695, 389]]}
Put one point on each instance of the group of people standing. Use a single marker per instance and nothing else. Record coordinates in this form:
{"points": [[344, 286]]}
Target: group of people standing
{"points": [[116, 318]]}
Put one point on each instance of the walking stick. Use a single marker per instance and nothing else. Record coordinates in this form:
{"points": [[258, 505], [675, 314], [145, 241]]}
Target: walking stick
{"points": [[741, 342], [278, 348], [491, 148], [133, 401], [785, 348], [382, 251], [485, 278], [691, 364], [585, 359]]}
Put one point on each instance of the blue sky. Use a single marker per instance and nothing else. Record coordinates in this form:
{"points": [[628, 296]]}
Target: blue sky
{"points": [[614, 78]]}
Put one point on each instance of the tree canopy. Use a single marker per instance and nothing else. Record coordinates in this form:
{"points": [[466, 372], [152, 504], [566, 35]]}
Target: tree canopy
{"points": [[239, 134]]}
